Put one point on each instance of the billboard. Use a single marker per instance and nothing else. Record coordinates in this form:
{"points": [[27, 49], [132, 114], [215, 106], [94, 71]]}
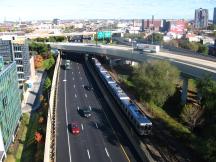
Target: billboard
{"points": [[178, 27]]}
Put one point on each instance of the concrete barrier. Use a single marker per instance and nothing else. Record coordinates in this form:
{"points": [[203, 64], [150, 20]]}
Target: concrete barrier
{"points": [[49, 152]]}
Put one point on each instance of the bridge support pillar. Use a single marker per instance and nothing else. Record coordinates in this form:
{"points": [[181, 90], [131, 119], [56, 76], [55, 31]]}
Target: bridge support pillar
{"points": [[184, 91]]}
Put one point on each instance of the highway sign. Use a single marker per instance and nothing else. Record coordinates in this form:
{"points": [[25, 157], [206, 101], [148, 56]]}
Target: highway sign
{"points": [[104, 34]]}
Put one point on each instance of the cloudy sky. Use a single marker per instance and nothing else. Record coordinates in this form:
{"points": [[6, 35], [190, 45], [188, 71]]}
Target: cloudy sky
{"points": [[84, 9]]}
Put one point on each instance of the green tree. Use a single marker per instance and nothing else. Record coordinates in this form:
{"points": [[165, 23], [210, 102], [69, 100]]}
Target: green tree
{"points": [[47, 83], [207, 89], [203, 49], [40, 48], [157, 37], [210, 150], [48, 63], [155, 81]]}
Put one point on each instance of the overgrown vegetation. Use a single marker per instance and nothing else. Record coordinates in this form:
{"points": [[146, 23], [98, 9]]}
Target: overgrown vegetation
{"points": [[51, 39], [194, 125]]}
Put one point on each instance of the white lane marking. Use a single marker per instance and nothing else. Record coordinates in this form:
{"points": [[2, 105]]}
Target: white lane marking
{"points": [[77, 107], [96, 125], [107, 152], [73, 78], [72, 72], [67, 123], [83, 85], [75, 96], [79, 72], [86, 95], [80, 78], [64, 80], [74, 85], [82, 126], [90, 107], [88, 153]]}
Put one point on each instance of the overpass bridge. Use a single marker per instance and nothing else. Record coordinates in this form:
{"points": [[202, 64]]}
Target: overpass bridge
{"points": [[189, 66]]}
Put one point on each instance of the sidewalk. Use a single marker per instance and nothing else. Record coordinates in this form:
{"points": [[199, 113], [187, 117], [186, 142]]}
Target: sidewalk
{"points": [[32, 101]]}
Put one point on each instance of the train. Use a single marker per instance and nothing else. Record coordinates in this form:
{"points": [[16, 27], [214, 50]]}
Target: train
{"points": [[139, 121], [147, 48]]}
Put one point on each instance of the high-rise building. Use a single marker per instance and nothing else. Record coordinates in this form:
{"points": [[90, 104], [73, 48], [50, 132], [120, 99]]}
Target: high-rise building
{"points": [[214, 16], [10, 106], [201, 18], [17, 49], [21, 56]]}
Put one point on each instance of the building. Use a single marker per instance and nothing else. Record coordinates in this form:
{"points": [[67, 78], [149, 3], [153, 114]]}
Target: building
{"points": [[56, 21], [17, 49], [10, 106], [201, 18], [21, 56], [214, 16], [6, 50]]}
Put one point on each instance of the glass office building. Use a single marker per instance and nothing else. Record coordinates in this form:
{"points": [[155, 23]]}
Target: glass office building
{"points": [[10, 106]]}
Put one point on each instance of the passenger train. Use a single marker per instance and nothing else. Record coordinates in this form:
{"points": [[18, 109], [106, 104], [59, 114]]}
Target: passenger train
{"points": [[140, 122]]}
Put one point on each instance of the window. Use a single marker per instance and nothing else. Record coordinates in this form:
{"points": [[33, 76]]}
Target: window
{"points": [[5, 102]]}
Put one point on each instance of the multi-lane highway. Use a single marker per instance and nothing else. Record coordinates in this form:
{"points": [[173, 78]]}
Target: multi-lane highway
{"points": [[101, 139]]}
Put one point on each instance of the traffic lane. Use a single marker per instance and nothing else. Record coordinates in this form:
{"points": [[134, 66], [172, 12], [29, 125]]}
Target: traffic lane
{"points": [[104, 130], [91, 142], [62, 153], [77, 143], [96, 148]]}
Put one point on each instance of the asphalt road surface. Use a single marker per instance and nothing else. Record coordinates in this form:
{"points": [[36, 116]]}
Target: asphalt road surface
{"points": [[101, 139]]}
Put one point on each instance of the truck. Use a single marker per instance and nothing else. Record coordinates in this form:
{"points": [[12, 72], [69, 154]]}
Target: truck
{"points": [[67, 65], [147, 48]]}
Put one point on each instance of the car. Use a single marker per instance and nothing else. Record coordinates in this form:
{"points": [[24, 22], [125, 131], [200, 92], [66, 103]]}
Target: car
{"points": [[89, 88], [75, 129], [85, 112]]}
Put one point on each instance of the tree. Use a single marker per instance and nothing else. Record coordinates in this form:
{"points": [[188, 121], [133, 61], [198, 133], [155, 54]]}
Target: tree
{"points": [[38, 61], [210, 150], [207, 88], [40, 48], [193, 46], [192, 115], [155, 81], [157, 37], [47, 83], [48, 63], [203, 49]]}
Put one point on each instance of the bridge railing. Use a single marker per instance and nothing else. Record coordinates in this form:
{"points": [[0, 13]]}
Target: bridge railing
{"points": [[50, 144]]}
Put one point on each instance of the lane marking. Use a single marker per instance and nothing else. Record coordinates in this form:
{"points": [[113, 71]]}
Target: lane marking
{"points": [[75, 96], [78, 108], [79, 72], [74, 85], [69, 150], [86, 95], [107, 152], [88, 153], [80, 78], [64, 80], [72, 72], [90, 107], [73, 78], [96, 125], [82, 127]]}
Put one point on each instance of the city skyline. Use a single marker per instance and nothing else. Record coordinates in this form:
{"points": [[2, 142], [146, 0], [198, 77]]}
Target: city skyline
{"points": [[106, 9]]}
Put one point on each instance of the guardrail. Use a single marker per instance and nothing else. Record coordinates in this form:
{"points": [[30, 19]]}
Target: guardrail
{"points": [[49, 152]]}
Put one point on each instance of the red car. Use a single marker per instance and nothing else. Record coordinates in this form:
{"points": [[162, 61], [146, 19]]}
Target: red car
{"points": [[75, 128]]}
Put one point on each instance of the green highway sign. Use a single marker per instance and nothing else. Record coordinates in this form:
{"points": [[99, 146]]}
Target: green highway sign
{"points": [[104, 34]]}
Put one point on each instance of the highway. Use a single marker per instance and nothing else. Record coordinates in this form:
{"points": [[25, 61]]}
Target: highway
{"points": [[191, 66], [101, 138]]}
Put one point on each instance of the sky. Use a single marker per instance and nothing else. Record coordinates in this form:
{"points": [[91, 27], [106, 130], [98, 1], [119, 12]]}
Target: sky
{"points": [[101, 9]]}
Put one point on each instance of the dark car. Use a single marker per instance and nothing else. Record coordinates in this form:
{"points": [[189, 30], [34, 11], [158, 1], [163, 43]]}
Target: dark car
{"points": [[89, 88], [85, 112]]}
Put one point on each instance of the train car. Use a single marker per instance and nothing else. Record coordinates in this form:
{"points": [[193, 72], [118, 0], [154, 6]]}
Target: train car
{"points": [[139, 121]]}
